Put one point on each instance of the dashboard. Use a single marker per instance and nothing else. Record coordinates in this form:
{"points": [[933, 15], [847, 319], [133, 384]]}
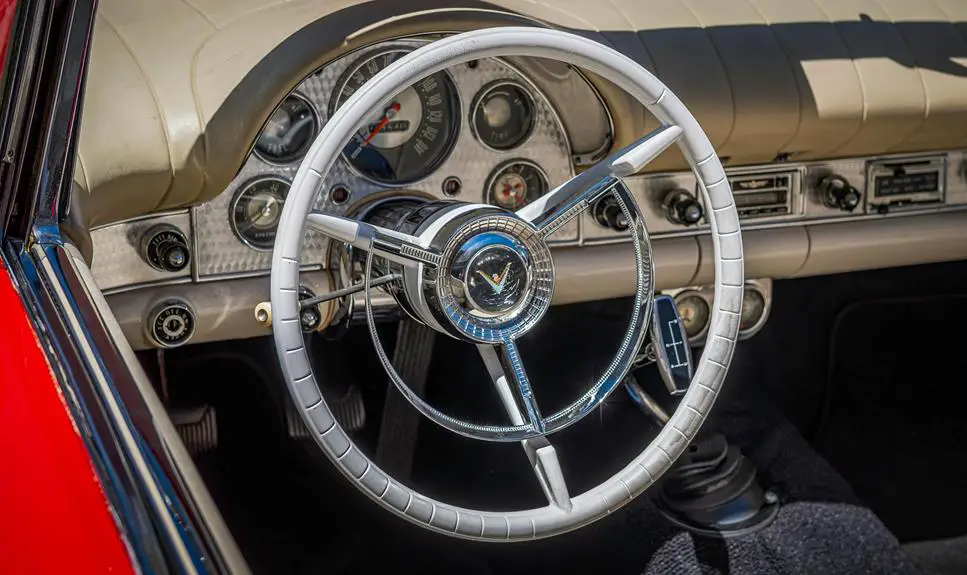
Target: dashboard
{"points": [[481, 133], [504, 132]]}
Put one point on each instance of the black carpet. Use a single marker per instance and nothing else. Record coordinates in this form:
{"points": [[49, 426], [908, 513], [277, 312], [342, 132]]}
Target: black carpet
{"points": [[941, 557], [895, 425], [821, 526]]}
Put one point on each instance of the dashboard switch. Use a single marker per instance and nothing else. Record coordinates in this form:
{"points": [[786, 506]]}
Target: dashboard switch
{"points": [[171, 324], [682, 208], [310, 316], [608, 213], [165, 248], [837, 193]]}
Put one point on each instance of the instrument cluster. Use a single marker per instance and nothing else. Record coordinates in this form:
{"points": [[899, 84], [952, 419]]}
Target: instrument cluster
{"points": [[479, 132]]}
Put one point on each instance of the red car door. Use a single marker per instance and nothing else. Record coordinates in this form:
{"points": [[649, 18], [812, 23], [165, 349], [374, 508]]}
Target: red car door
{"points": [[55, 517]]}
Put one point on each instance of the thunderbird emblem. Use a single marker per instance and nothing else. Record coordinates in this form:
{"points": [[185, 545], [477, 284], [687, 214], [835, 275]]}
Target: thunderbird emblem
{"points": [[497, 281]]}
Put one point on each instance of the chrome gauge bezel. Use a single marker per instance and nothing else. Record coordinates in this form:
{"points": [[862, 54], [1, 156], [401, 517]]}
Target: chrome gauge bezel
{"points": [[746, 332], [428, 169], [478, 100], [761, 286], [679, 297], [297, 158], [233, 206], [190, 322], [501, 168]]}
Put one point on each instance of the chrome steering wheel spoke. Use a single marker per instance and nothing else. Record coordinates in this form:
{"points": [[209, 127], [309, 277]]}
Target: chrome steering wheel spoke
{"points": [[567, 201], [401, 248], [502, 360], [507, 370]]}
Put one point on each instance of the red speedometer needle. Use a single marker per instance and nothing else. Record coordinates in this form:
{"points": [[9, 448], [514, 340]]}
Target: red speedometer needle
{"points": [[387, 116]]}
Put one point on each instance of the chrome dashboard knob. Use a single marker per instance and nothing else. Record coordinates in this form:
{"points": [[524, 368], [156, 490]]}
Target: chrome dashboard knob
{"points": [[837, 193], [682, 208], [607, 212], [165, 248]]}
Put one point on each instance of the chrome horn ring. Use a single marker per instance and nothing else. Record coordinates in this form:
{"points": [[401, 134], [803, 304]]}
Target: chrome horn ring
{"points": [[563, 512], [503, 329]]}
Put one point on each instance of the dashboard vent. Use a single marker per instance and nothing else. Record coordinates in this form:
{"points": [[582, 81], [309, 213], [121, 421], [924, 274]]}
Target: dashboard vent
{"points": [[766, 194]]}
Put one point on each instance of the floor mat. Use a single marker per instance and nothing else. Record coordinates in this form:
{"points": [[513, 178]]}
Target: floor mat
{"points": [[941, 557], [894, 427]]}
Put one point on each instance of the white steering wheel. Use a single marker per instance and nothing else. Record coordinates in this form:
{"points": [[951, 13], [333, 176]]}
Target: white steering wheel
{"points": [[486, 276]]}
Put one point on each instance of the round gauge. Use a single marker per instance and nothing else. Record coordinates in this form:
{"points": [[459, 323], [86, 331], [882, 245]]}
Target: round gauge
{"points": [[695, 312], [753, 307], [503, 116], [289, 132], [256, 209], [516, 184], [412, 135]]}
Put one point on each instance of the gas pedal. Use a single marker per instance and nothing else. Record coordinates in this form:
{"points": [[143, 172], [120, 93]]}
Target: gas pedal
{"points": [[198, 428]]}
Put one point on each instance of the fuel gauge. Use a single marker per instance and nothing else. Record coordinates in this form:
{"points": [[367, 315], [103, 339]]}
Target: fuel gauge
{"points": [[289, 131], [516, 184]]}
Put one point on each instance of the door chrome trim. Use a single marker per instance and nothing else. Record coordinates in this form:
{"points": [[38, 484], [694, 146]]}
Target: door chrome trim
{"points": [[163, 426]]}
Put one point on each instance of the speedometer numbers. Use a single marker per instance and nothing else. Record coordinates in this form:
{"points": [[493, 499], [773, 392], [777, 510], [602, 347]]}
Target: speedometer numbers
{"points": [[410, 137], [516, 184]]}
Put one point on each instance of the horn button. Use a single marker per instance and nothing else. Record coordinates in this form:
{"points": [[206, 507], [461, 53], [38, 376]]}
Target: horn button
{"points": [[498, 279], [495, 273]]}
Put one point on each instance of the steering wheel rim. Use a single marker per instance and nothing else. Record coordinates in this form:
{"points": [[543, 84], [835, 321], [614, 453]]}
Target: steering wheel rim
{"points": [[562, 513]]}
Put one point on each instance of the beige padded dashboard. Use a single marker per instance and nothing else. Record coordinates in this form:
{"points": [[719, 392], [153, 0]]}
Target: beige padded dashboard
{"points": [[178, 90]]}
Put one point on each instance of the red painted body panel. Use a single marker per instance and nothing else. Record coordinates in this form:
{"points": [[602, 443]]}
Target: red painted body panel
{"points": [[54, 516], [8, 10]]}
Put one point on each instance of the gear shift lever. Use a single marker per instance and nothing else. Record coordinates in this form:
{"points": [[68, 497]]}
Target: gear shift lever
{"points": [[670, 350], [713, 489]]}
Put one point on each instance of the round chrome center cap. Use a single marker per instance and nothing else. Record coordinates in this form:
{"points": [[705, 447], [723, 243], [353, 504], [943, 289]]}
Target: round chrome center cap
{"points": [[495, 279], [498, 282]]}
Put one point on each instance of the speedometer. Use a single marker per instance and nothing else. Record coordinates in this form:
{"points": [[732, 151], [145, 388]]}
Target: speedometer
{"points": [[412, 135]]}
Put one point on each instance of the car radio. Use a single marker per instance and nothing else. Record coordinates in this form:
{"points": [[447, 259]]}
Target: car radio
{"points": [[905, 181], [766, 194]]}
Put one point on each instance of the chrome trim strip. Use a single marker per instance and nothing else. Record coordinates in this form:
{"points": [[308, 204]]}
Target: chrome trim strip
{"points": [[132, 287], [135, 219], [162, 422]]}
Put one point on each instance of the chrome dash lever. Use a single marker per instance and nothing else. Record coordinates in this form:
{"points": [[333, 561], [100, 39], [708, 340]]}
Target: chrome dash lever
{"points": [[672, 352]]}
